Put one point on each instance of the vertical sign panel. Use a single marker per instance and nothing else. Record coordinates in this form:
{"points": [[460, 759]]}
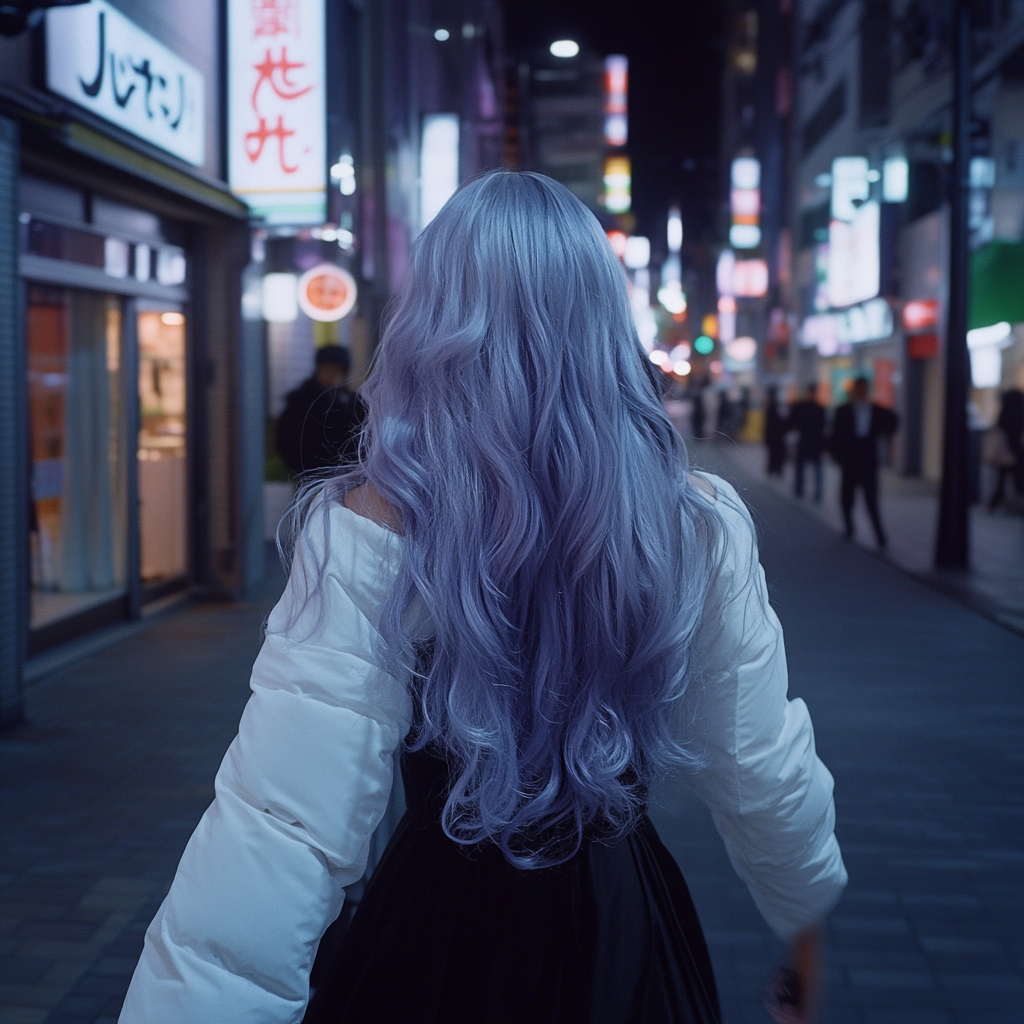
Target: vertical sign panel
{"points": [[277, 118], [616, 84], [439, 163]]}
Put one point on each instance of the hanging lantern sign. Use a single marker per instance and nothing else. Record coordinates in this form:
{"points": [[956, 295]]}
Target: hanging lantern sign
{"points": [[326, 293]]}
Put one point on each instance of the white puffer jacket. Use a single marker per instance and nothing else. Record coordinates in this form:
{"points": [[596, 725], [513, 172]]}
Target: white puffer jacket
{"points": [[305, 782]]}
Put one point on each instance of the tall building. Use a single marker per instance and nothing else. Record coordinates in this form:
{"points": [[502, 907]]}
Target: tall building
{"points": [[557, 118], [753, 271]]}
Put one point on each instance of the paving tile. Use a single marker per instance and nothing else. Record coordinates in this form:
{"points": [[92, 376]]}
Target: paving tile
{"points": [[862, 977], [984, 982], [988, 1016], [22, 1015], [912, 1015], [23, 970]]}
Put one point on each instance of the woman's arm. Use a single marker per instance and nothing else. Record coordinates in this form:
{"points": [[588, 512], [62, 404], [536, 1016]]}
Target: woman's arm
{"points": [[299, 793], [769, 794]]}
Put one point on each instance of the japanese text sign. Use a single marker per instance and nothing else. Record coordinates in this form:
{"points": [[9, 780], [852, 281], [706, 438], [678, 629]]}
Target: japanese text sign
{"points": [[277, 118], [107, 64]]}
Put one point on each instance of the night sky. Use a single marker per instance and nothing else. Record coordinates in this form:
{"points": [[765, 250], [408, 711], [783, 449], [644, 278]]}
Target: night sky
{"points": [[675, 51]]}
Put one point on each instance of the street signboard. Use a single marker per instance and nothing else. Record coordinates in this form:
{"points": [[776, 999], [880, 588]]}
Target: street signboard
{"points": [[326, 293], [102, 61], [277, 118]]}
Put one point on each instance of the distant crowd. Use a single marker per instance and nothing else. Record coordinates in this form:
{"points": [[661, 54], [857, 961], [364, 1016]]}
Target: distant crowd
{"points": [[854, 435]]}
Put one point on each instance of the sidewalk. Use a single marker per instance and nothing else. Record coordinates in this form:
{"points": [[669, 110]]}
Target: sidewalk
{"points": [[994, 585], [99, 793], [918, 713]]}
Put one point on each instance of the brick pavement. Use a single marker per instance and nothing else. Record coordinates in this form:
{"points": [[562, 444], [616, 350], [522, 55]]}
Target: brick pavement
{"points": [[918, 707], [100, 793], [995, 582]]}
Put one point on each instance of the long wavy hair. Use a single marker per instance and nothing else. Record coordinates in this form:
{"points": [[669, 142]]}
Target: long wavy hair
{"points": [[548, 522]]}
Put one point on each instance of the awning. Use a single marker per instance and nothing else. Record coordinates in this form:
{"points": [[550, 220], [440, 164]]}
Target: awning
{"points": [[997, 284]]}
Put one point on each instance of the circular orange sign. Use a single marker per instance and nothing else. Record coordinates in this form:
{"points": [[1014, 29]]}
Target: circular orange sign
{"points": [[326, 292]]}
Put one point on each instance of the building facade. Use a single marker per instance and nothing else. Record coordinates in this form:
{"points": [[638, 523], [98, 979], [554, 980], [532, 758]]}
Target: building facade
{"points": [[121, 252], [871, 192], [139, 358], [753, 275]]}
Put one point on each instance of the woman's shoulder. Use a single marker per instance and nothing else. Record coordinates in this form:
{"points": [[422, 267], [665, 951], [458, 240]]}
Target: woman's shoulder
{"points": [[736, 542], [368, 503], [346, 534], [720, 493]]}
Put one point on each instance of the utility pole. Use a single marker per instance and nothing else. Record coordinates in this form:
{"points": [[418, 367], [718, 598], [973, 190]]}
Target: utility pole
{"points": [[952, 544]]}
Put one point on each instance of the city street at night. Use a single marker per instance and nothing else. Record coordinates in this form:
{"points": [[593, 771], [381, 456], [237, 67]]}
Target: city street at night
{"points": [[359, 362], [918, 713]]}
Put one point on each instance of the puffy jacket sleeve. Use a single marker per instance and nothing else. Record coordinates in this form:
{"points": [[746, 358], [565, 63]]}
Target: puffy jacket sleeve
{"points": [[298, 794], [769, 794]]}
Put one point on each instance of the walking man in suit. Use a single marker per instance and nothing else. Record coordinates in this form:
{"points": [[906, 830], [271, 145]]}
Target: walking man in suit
{"points": [[807, 418], [858, 428]]}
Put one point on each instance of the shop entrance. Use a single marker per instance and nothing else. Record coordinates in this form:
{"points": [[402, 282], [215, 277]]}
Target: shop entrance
{"points": [[162, 447], [107, 386], [78, 468]]}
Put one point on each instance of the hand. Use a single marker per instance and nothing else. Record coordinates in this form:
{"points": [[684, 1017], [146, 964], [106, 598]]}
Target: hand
{"points": [[794, 994]]}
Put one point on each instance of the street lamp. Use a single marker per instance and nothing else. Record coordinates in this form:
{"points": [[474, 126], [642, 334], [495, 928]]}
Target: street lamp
{"points": [[565, 48], [675, 230]]}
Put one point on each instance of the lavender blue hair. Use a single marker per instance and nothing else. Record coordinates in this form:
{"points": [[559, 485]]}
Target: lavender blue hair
{"points": [[550, 526]]}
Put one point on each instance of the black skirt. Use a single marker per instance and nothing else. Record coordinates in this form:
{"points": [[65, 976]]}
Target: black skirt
{"points": [[446, 936]]}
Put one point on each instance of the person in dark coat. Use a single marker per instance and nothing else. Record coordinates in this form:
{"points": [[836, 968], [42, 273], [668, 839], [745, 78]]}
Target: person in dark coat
{"points": [[1011, 424], [858, 428], [725, 415], [807, 418], [322, 419], [775, 429], [698, 413]]}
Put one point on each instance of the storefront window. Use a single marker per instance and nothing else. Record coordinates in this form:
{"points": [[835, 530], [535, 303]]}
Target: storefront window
{"points": [[78, 469], [163, 482]]}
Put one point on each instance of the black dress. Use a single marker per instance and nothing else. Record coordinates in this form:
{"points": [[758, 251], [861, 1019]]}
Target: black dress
{"points": [[449, 936]]}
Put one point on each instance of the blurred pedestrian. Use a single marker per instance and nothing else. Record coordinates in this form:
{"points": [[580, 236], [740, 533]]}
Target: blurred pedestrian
{"points": [[775, 429], [725, 414], [1004, 447], [698, 412], [742, 408], [319, 427], [859, 426], [535, 689], [807, 418]]}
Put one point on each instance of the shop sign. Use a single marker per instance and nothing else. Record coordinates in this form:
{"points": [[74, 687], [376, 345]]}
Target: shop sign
{"points": [[923, 346], [616, 88], [746, 279], [854, 258], [745, 203], [920, 314], [750, 278], [326, 293], [277, 120], [868, 321], [102, 61]]}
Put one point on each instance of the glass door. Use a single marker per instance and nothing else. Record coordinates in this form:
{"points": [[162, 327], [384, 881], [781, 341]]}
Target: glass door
{"points": [[77, 480], [163, 477]]}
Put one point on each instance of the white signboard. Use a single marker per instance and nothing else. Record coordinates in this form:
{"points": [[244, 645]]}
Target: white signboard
{"points": [[854, 263], [102, 61], [277, 117], [868, 321]]}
